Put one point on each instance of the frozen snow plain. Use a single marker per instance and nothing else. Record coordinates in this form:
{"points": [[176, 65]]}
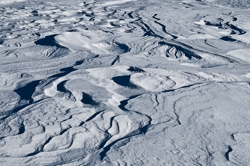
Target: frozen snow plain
{"points": [[124, 82]]}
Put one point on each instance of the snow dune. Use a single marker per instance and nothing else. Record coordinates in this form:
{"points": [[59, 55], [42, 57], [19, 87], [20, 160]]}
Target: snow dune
{"points": [[124, 82]]}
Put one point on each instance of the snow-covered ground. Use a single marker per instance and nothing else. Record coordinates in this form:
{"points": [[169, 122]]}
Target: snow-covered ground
{"points": [[10, 1], [124, 82]]}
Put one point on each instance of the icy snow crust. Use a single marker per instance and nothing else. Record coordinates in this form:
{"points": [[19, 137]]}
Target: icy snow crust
{"points": [[130, 82]]}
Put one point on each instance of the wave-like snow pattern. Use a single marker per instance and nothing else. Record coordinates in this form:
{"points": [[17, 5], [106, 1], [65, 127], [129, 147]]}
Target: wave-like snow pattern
{"points": [[128, 82]]}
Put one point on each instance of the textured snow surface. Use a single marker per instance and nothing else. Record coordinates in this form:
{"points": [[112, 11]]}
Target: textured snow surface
{"points": [[124, 83]]}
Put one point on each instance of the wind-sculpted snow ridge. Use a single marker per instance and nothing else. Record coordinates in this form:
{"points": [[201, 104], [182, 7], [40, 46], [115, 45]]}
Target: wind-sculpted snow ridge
{"points": [[128, 82]]}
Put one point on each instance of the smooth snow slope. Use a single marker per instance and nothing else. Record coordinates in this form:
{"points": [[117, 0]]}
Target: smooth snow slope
{"points": [[131, 82], [10, 1]]}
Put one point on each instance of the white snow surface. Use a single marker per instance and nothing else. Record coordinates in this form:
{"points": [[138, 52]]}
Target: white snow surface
{"points": [[10, 1], [124, 83]]}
